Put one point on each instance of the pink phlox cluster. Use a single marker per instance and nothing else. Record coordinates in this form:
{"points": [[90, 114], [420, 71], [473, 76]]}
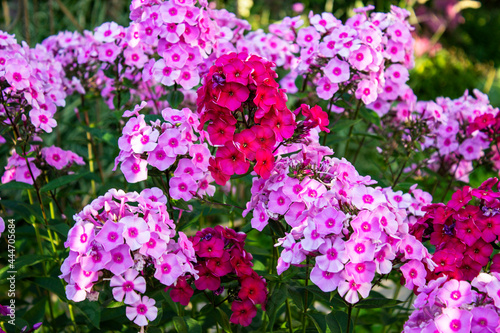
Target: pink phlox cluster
{"points": [[351, 229], [126, 238], [372, 52], [31, 82], [169, 145], [17, 169], [184, 34], [457, 306], [448, 122]]}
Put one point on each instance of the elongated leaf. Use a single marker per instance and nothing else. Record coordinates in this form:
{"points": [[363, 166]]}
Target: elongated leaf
{"points": [[344, 124], [52, 284], [337, 322], [15, 186], [180, 325], [91, 310], [22, 261], [193, 326], [371, 303], [223, 320], [61, 181], [318, 321], [175, 98]]}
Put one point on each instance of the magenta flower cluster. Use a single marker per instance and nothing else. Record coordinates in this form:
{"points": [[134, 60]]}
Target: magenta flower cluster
{"points": [[126, 238], [221, 257], [333, 215]]}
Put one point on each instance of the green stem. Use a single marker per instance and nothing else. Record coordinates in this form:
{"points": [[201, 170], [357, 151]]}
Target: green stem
{"points": [[351, 128], [304, 315], [289, 316], [349, 315]]}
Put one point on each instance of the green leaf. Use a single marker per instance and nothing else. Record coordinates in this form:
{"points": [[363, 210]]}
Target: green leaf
{"points": [[193, 325], [152, 117], [61, 181], [175, 98], [61, 228], [16, 186], [377, 302], [36, 313], [223, 320], [370, 116], [91, 311], [52, 284], [180, 204], [275, 301], [180, 324], [337, 322], [25, 260], [343, 124], [318, 321]]}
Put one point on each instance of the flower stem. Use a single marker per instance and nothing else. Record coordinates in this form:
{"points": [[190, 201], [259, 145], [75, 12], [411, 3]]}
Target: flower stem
{"points": [[289, 316]]}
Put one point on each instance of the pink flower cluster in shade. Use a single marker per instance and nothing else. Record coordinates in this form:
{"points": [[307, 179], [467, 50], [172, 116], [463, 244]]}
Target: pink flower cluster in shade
{"points": [[370, 52], [17, 168], [128, 237], [168, 145], [451, 131], [463, 232], [220, 254], [445, 306], [352, 230], [246, 114], [31, 82]]}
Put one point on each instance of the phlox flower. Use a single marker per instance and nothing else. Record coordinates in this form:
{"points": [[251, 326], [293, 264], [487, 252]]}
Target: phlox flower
{"points": [[243, 312], [127, 285], [55, 156], [110, 235], [484, 319], [454, 293], [134, 169], [80, 237], [326, 89], [454, 320], [333, 255], [362, 271], [145, 141], [278, 202], [95, 260], [366, 91], [364, 197], [168, 269], [135, 231], [337, 71], [121, 260], [349, 289], [414, 274], [231, 159], [360, 250], [42, 119], [182, 187], [142, 311], [325, 280], [181, 292]]}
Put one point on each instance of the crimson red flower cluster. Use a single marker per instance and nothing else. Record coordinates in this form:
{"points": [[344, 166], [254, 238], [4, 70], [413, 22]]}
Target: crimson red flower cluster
{"points": [[221, 257], [463, 232], [246, 112]]}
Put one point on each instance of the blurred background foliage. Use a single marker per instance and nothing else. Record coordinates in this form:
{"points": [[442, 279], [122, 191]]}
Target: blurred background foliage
{"points": [[456, 40]]}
